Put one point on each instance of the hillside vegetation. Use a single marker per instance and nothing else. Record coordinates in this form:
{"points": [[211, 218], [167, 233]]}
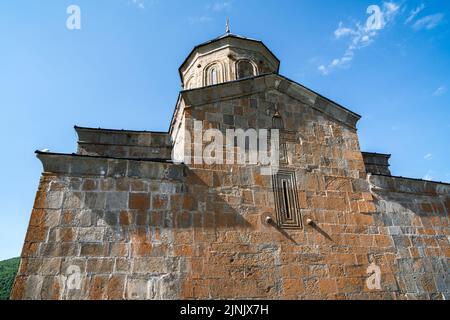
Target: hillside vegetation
{"points": [[8, 270]]}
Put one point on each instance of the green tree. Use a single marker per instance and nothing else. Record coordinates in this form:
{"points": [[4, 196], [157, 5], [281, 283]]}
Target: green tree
{"points": [[8, 270]]}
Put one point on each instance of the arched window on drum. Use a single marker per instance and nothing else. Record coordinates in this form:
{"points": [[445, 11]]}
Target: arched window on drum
{"points": [[245, 69], [189, 84], [213, 74]]}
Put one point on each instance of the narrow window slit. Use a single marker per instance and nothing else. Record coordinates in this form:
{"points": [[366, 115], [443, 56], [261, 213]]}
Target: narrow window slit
{"points": [[286, 200]]}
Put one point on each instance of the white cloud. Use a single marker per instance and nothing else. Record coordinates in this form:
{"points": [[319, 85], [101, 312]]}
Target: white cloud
{"points": [[139, 3], [428, 156], [361, 35], [440, 91], [428, 22], [201, 19], [342, 31], [219, 6], [390, 10], [414, 13], [323, 70], [142, 4]]}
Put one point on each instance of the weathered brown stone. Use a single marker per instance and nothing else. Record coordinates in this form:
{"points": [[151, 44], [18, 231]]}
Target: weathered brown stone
{"points": [[116, 287], [100, 265], [139, 201], [141, 249], [36, 234], [89, 185], [159, 202], [98, 287], [94, 249], [126, 218]]}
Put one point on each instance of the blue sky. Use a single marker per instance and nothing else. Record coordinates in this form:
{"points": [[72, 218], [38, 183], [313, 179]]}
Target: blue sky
{"points": [[120, 71]]}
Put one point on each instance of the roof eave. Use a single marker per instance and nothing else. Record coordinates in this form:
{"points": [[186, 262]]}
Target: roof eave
{"points": [[278, 82]]}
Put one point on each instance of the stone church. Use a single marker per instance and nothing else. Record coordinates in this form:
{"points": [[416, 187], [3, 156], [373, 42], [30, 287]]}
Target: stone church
{"points": [[121, 219]]}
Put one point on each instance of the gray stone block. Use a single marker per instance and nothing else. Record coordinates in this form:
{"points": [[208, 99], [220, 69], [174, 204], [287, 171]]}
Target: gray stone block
{"points": [[94, 200], [137, 288], [228, 119], [54, 199], [116, 200], [72, 200], [92, 234], [117, 168]]}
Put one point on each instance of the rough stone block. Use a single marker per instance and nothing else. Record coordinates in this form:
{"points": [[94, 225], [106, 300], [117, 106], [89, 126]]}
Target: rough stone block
{"points": [[91, 234], [94, 200], [54, 199], [139, 201]]}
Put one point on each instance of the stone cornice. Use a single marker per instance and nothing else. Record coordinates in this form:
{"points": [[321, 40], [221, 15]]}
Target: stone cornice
{"points": [[124, 131], [81, 165], [122, 137], [385, 183]]}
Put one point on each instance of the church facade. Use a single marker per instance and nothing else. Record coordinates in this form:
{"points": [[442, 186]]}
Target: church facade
{"points": [[127, 217]]}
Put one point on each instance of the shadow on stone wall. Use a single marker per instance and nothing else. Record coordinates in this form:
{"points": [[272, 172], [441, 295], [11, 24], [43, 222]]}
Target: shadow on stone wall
{"points": [[416, 223], [191, 203]]}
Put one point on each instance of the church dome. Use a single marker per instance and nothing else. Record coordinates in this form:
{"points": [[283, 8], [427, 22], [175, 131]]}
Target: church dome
{"points": [[227, 58]]}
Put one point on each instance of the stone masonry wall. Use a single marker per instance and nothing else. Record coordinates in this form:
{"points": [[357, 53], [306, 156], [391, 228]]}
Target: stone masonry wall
{"points": [[416, 216], [377, 163], [155, 230], [110, 222], [326, 261]]}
